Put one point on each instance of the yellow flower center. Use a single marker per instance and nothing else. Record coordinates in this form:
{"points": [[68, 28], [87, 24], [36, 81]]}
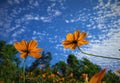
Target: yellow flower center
{"points": [[74, 42], [27, 51]]}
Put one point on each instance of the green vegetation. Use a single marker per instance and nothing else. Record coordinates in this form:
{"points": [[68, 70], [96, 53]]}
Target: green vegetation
{"points": [[41, 72], [9, 69]]}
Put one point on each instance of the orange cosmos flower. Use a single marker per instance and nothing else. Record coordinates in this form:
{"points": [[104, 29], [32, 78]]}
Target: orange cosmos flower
{"points": [[43, 75], [71, 74], [98, 77], [58, 72], [28, 48], [42, 65], [62, 79], [74, 40], [52, 75], [84, 75]]}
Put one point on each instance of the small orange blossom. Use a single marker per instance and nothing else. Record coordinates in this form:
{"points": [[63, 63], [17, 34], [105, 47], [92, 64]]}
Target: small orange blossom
{"points": [[74, 40], [28, 48], [84, 75], [71, 74], [43, 75], [52, 75], [42, 65], [62, 79]]}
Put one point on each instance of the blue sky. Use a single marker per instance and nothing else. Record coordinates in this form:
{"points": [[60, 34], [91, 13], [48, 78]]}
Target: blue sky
{"points": [[48, 21]]}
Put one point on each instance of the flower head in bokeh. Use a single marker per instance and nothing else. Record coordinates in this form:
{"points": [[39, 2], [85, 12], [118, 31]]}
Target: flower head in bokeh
{"points": [[28, 48], [118, 71], [74, 40], [84, 75]]}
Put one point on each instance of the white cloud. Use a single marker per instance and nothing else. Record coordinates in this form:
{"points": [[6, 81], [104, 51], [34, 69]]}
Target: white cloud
{"points": [[17, 1], [67, 21], [109, 40], [36, 4], [108, 43], [1, 24], [31, 17], [10, 29], [58, 13], [18, 32], [45, 19], [37, 18], [10, 2]]}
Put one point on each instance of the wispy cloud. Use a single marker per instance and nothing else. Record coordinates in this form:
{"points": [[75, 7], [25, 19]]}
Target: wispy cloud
{"points": [[18, 32], [108, 40]]}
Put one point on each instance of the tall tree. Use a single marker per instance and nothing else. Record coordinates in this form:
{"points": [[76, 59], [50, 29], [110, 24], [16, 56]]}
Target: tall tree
{"points": [[8, 61], [72, 61]]}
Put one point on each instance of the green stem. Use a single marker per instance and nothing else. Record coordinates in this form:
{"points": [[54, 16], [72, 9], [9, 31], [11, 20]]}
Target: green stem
{"points": [[24, 64], [98, 55]]}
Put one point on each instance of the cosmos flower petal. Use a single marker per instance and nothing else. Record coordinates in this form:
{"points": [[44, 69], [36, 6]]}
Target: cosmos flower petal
{"points": [[35, 55], [82, 35], [18, 46], [66, 42], [98, 77], [23, 55], [69, 37], [67, 46], [73, 46], [36, 50], [32, 44], [76, 34], [24, 44], [82, 42], [79, 44]]}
